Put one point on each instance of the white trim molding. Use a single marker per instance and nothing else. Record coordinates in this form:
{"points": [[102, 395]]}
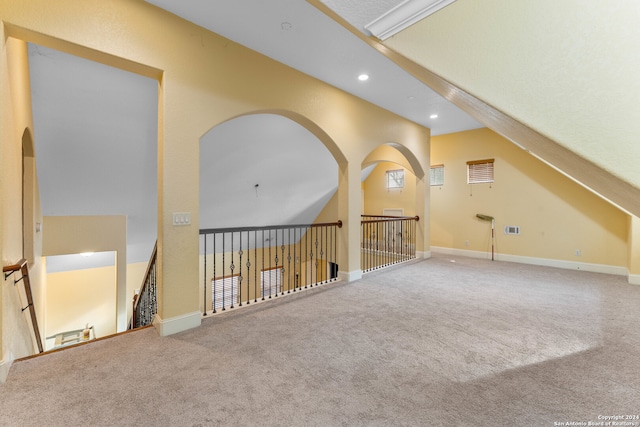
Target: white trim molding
{"points": [[177, 324], [5, 365], [4, 371], [423, 255], [633, 279], [404, 15], [568, 265], [350, 276]]}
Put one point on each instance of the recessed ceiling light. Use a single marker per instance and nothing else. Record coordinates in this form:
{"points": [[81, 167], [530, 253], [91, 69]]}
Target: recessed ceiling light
{"points": [[411, 98], [86, 254], [363, 77], [433, 116]]}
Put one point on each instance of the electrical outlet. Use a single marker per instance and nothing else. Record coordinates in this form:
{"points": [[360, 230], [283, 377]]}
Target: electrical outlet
{"points": [[578, 252], [466, 243]]}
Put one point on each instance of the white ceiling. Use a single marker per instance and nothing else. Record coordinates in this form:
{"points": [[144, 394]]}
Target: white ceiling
{"points": [[95, 137], [95, 126], [263, 170], [318, 46]]}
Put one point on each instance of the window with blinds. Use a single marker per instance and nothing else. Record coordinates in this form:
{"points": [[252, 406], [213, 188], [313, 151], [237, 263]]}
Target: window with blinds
{"points": [[271, 281], [480, 171], [224, 291], [395, 178], [436, 175]]}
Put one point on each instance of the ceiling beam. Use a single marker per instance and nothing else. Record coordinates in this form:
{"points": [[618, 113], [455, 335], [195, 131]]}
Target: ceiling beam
{"points": [[603, 183]]}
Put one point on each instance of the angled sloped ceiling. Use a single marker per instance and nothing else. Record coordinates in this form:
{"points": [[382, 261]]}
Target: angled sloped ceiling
{"points": [[557, 78]]}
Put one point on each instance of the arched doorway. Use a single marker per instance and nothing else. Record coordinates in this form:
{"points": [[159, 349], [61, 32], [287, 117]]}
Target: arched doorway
{"points": [[392, 204], [264, 170]]}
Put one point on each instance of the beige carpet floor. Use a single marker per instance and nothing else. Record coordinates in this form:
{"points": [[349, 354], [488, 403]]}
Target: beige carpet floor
{"points": [[430, 343]]}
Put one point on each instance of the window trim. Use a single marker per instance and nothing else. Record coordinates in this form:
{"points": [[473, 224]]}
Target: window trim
{"points": [[432, 168], [480, 171], [389, 179]]}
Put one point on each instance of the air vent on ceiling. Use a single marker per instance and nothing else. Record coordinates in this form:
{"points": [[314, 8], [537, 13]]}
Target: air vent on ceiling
{"points": [[512, 229]]}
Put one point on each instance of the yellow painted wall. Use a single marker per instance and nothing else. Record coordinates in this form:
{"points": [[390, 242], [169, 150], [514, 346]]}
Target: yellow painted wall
{"points": [[544, 63], [63, 235], [634, 249], [556, 215], [378, 197], [78, 297], [15, 117], [205, 80]]}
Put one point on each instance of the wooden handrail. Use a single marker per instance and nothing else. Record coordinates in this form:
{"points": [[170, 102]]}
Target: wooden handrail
{"points": [[383, 218], [269, 227], [23, 267], [10, 269]]}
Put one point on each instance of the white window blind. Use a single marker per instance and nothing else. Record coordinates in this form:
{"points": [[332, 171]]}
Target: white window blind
{"points": [[436, 175], [271, 281], [395, 178], [480, 171], [224, 291]]}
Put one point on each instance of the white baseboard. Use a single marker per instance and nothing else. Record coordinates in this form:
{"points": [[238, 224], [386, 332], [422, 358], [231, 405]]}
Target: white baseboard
{"points": [[5, 365], [423, 255], [177, 324], [634, 279], [350, 276], [569, 265]]}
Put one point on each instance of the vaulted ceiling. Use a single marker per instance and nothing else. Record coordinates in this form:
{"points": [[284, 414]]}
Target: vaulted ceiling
{"points": [[558, 79]]}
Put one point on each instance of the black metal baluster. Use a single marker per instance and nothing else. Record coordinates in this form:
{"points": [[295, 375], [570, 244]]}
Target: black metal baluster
{"points": [[283, 271], [306, 252], [255, 266], [240, 270], [295, 260], [289, 260], [415, 236], [248, 269], [232, 267], [204, 304], [326, 258], [335, 249], [223, 271], [368, 246], [213, 282], [364, 253], [262, 269], [317, 256], [276, 250]]}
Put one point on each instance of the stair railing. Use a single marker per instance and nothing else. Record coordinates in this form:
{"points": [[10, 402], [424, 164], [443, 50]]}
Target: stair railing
{"points": [[387, 240], [145, 302], [244, 265], [23, 268]]}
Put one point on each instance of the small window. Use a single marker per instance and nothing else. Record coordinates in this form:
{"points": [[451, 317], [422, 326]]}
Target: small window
{"points": [[224, 291], [480, 171], [436, 175], [395, 178]]}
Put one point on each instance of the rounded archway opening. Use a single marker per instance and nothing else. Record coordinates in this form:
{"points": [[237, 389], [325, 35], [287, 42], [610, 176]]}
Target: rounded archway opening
{"points": [[264, 169]]}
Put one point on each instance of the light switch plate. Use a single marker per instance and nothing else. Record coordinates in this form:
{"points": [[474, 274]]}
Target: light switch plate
{"points": [[181, 218]]}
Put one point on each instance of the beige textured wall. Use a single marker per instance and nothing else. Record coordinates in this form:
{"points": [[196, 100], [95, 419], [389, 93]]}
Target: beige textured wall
{"points": [[77, 298], [378, 197], [568, 69], [15, 111], [205, 80], [64, 235], [556, 215]]}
